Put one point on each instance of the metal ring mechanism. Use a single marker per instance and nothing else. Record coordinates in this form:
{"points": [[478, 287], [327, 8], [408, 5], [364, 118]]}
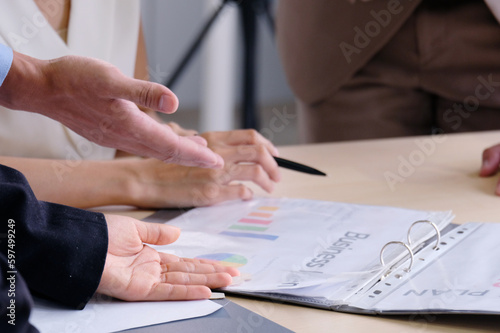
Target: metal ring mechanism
{"points": [[398, 243], [438, 234]]}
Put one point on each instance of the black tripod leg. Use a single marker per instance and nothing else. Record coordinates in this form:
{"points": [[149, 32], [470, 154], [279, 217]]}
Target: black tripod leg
{"points": [[193, 48], [249, 22]]}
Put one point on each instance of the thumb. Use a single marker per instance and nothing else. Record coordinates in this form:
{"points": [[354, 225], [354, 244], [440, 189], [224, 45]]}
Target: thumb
{"points": [[157, 234], [149, 94]]}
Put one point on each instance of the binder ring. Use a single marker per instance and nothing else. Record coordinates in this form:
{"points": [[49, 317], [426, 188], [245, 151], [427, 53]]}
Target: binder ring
{"points": [[399, 243], [438, 234]]}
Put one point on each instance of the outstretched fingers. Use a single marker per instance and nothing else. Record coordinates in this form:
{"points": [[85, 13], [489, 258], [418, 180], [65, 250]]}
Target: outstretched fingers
{"points": [[134, 131], [172, 263], [212, 280], [170, 292], [195, 153], [189, 279]]}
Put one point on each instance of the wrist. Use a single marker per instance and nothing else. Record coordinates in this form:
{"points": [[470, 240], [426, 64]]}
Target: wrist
{"points": [[150, 183], [128, 187], [25, 83]]}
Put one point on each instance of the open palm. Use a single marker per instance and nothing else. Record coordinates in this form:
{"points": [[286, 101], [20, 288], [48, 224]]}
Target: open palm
{"points": [[136, 272]]}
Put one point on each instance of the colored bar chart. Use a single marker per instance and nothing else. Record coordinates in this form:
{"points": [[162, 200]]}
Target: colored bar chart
{"points": [[225, 259], [254, 225]]}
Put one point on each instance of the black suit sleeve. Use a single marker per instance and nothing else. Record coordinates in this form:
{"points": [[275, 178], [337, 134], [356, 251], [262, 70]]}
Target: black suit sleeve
{"points": [[59, 251]]}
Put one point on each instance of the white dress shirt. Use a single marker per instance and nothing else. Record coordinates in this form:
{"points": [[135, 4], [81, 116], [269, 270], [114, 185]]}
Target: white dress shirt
{"points": [[107, 30]]}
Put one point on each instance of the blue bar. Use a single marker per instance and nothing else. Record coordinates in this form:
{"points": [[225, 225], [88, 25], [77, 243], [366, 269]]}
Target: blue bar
{"points": [[249, 235]]}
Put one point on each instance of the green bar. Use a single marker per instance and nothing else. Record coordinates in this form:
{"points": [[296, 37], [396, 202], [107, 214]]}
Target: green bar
{"points": [[247, 227]]}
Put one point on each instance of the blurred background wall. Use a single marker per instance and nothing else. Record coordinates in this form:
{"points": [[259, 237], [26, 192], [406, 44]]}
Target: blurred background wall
{"points": [[211, 84]]}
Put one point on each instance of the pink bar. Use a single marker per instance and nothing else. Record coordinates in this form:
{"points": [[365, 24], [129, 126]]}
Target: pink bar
{"points": [[245, 220], [258, 214]]}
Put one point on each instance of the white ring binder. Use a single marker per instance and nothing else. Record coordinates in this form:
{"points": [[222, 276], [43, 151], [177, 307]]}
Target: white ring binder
{"points": [[400, 243], [438, 234]]}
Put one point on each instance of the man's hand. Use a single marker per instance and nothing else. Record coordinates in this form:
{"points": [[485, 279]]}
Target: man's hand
{"points": [[136, 272], [97, 101], [491, 162]]}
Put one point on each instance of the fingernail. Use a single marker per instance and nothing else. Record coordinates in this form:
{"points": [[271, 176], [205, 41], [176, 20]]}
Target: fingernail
{"points": [[162, 102], [217, 163], [168, 104]]}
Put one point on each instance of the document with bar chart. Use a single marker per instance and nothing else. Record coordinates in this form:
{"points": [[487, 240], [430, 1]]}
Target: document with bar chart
{"points": [[321, 254]]}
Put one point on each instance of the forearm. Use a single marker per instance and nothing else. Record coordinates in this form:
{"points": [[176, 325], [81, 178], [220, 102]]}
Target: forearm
{"points": [[79, 184], [125, 181]]}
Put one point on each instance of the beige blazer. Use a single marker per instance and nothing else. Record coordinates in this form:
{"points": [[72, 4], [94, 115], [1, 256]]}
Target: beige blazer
{"points": [[343, 33]]}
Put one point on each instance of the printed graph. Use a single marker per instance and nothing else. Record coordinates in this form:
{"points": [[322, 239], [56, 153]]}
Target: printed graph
{"points": [[254, 225], [225, 259]]}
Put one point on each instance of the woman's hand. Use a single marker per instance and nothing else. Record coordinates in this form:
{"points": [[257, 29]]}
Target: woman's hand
{"points": [[248, 156], [241, 147]]}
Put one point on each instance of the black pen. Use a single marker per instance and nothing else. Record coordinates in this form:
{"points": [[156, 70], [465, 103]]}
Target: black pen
{"points": [[297, 167]]}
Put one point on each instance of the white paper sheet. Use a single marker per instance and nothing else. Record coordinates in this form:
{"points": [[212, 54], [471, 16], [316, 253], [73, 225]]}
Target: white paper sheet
{"points": [[103, 314]]}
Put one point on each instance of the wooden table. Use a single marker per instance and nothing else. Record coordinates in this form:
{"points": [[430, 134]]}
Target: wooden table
{"points": [[428, 173]]}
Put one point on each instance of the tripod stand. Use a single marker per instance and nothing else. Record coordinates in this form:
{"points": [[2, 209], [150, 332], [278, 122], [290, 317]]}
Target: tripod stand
{"points": [[249, 10]]}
